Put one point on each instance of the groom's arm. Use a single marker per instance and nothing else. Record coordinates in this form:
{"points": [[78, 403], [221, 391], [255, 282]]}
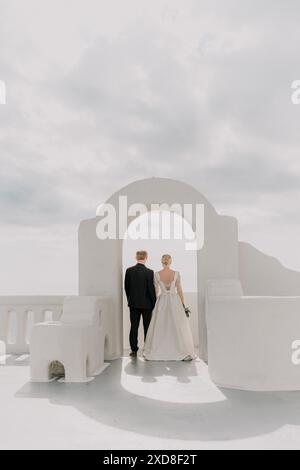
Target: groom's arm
{"points": [[151, 288], [127, 284]]}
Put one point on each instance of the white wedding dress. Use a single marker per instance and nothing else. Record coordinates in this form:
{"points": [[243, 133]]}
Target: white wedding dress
{"points": [[169, 337]]}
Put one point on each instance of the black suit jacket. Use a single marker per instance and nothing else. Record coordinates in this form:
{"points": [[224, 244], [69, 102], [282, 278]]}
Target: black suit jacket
{"points": [[139, 287]]}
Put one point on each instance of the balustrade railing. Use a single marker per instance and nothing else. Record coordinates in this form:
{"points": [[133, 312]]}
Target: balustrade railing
{"points": [[17, 316]]}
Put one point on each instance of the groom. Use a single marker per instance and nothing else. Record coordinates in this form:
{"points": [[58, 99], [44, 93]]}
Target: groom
{"points": [[141, 296]]}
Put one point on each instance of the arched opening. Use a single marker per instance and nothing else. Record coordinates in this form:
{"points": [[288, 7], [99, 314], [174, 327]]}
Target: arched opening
{"points": [[29, 325], [56, 370], [100, 260], [12, 327], [48, 316], [162, 232]]}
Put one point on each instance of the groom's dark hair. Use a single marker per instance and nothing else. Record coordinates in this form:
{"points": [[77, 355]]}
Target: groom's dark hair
{"points": [[141, 255]]}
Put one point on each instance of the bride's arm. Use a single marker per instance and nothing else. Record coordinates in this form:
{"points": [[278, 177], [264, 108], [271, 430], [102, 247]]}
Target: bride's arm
{"points": [[179, 289], [156, 286]]}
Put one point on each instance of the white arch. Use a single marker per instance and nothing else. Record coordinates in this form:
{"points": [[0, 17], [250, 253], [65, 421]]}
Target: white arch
{"points": [[100, 261]]}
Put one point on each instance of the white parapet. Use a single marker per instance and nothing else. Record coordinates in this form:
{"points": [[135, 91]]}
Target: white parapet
{"points": [[251, 340], [77, 342], [18, 314]]}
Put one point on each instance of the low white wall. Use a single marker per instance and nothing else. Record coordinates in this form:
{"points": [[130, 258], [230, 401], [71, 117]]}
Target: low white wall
{"points": [[250, 342], [190, 300], [19, 313]]}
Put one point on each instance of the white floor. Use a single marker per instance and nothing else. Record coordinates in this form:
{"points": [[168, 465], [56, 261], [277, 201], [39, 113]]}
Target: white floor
{"points": [[142, 406]]}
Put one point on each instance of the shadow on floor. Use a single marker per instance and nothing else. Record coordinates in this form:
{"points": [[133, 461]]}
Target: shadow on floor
{"points": [[237, 415], [150, 372]]}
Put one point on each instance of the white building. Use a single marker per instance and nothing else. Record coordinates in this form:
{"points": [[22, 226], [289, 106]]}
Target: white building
{"points": [[247, 331]]}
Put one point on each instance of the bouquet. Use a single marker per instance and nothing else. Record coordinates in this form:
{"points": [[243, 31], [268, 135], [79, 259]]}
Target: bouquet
{"points": [[187, 311]]}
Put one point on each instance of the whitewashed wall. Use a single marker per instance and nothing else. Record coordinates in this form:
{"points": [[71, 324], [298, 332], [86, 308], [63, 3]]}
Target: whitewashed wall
{"points": [[261, 274], [101, 261]]}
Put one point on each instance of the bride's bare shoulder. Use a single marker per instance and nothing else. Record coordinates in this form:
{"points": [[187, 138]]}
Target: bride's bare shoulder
{"points": [[162, 271]]}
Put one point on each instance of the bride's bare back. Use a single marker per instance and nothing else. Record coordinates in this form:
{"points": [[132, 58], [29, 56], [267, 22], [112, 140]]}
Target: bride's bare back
{"points": [[167, 276]]}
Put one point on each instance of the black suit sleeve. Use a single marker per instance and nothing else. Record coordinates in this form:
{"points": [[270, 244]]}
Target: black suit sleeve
{"points": [[127, 284], [151, 288]]}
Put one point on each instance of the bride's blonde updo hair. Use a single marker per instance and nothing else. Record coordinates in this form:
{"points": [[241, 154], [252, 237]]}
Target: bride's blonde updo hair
{"points": [[166, 260]]}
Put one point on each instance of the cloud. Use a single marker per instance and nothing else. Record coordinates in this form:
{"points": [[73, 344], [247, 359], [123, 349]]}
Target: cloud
{"points": [[101, 94]]}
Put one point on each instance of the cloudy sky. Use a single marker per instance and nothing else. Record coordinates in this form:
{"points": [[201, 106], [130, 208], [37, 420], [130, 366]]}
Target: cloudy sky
{"points": [[101, 93]]}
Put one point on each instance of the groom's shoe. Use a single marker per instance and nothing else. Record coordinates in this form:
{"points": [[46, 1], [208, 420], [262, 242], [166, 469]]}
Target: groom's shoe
{"points": [[133, 354]]}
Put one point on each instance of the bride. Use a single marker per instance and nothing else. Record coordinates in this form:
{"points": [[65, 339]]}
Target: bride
{"points": [[169, 337]]}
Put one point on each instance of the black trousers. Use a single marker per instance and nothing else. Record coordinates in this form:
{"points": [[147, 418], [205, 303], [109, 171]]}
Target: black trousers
{"points": [[135, 318]]}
